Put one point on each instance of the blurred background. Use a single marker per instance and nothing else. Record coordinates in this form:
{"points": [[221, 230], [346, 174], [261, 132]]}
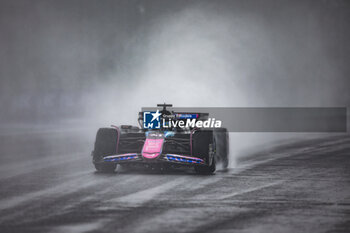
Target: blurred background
{"points": [[89, 63]]}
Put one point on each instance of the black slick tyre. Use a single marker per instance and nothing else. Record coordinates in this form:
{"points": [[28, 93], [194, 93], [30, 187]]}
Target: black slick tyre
{"points": [[105, 145]]}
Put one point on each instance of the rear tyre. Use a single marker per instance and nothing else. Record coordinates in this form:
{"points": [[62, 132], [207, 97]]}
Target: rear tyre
{"points": [[105, 145]]}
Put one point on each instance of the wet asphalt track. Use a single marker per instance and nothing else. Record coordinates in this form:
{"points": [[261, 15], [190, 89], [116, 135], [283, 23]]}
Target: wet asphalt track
{"points": [[49, 185]]}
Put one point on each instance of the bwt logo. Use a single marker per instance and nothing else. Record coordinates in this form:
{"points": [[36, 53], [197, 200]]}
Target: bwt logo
{"points": [[151, 120]]}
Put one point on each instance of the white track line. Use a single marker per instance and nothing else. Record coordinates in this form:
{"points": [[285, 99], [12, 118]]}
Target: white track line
{"points": [[250, 190], [143, 196]]}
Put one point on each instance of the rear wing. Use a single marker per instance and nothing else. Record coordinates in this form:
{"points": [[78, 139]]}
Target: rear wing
{"points": [[175, 115], [180, 115]]}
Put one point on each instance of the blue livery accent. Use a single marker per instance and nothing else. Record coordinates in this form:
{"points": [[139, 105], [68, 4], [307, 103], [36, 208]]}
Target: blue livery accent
{"points": [[126, 157], [169, 134], [181, 159]]}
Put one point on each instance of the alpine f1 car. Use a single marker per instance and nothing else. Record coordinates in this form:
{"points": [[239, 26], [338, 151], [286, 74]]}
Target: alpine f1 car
{"points": [[165, 139]]}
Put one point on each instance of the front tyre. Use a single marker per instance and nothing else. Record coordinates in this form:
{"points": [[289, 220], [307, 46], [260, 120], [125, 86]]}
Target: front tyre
{"points": [[105, 145], [204, 147], [222, 146], [206, 170], [105, 168]]}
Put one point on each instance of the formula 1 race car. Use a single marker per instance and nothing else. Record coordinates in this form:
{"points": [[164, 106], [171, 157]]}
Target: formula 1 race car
{"points": [[165, 139]]}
